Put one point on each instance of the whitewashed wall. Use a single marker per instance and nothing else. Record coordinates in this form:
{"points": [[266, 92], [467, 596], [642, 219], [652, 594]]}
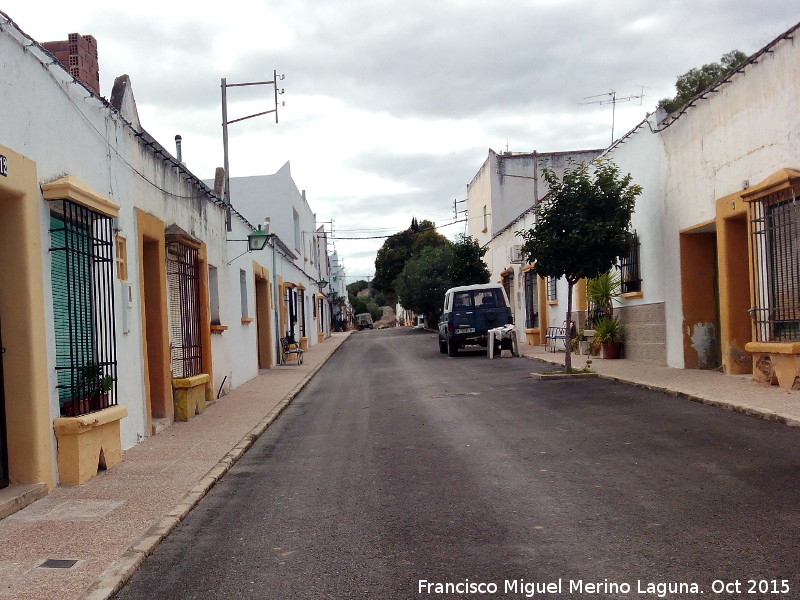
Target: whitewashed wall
{"points": [[745, 131], [66, 130]]}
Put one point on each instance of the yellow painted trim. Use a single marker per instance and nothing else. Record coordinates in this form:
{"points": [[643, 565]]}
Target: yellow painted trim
{"points": [[29, 436], [639, 294], [205, 320], [552, 303], [533, 330], [188, 382], [217, 329], [780, 180], [699, 225], [72, 425], [581, 302], [155, 326], [71, 188], [527, 268], [773, 347], [247, 320]]}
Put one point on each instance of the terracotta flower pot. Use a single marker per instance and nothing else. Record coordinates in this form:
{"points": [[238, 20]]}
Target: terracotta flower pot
{"points": [[612, 350]]}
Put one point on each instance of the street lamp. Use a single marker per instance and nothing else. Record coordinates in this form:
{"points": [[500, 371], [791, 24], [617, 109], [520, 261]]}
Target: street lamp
{"points": [[256, 240]]}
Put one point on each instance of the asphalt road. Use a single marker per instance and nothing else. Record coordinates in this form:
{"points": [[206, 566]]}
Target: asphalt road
{"points": [[398, 465]]}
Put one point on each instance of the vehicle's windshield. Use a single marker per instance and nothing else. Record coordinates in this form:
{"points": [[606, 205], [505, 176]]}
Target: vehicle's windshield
{"points": [[490, 298]]}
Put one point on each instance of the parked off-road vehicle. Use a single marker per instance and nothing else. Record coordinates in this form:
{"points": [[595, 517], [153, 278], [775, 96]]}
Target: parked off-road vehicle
{"points": [[364, 321], [469, 313]]}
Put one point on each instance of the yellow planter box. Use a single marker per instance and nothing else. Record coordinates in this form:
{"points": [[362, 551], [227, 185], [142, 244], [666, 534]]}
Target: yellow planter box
{"points": [[189, 396], [87, 443]]}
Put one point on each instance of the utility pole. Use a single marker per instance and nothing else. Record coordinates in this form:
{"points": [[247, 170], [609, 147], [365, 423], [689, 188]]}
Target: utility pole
{"points": [[225, 122], [612, 99]]}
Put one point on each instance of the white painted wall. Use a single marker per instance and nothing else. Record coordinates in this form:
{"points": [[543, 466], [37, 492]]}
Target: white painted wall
{"points": [[745, 131], [639, 154], [66, 130]]}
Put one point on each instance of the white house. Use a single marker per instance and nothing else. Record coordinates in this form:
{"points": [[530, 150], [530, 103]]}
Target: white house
{"points": [[500, 199], [304, 313], [125, 302]]}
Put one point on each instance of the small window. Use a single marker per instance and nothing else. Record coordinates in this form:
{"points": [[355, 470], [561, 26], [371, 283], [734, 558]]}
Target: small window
{"points": [[552, 291], [629, 271], [485, 219], [213, 294], [297, 241], [121, 246], [243, 292]]}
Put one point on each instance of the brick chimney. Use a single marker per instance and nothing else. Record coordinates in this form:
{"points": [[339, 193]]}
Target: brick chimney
{"points": [[78, 54]]}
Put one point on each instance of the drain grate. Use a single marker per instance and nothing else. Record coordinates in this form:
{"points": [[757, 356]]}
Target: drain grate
{"points": [[57, 563]]}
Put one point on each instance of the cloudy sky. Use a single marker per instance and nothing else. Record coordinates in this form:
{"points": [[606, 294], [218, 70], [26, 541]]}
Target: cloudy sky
{"points": [[391, 106]]}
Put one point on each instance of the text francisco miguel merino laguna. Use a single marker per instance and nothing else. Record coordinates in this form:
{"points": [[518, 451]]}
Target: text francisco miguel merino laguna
{"points": [[529, 589]]}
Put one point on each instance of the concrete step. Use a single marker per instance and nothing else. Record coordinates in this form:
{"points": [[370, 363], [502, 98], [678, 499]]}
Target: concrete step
{"points": [[16, 497]]}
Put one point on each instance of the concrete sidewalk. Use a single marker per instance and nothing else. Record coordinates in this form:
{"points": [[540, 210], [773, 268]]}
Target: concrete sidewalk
{"points": [[731, 392], [110, 524]]}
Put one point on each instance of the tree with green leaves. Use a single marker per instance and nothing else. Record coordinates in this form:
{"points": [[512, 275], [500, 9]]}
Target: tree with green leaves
{"points": [[424, 280], [397, 249], [582, 226], [468, 266], [357, 286], [694, 81]]}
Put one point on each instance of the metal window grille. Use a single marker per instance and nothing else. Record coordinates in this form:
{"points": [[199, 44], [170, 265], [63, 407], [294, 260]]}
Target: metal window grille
{"points": [[776, 248], [630, 273], [593, 314], [552, 291], [184, 310], [531, 300], [82, 275]]}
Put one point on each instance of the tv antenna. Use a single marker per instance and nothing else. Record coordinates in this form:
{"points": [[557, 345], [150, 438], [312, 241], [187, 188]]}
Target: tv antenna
{"points": [[612, 99]]}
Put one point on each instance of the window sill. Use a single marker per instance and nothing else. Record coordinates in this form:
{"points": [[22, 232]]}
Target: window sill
{"points": [[638, 294], [247, 320], [218, 329], [552, 303]]}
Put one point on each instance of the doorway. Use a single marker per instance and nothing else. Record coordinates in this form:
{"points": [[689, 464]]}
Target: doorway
{"points": [[3, 446], [700, 298]]}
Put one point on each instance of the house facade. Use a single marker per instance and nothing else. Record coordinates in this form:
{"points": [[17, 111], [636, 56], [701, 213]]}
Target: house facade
{"points": [[713, 280], [304, 311], [125, 301], [500, 201]]}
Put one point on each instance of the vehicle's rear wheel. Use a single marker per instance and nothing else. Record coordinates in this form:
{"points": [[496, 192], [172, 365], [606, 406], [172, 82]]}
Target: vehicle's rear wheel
{"points": [[442, 346], [452, 349]]}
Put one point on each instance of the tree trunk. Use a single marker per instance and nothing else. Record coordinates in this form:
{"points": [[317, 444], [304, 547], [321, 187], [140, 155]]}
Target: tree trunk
{"points": [[568, 334]]}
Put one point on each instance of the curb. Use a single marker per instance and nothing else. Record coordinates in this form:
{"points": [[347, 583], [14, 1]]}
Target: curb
{"points": [[549, 376], [750, 411], [121, 570]]}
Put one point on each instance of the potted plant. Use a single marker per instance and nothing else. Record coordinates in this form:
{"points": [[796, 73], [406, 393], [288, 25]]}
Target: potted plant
{"points": [[580, 344], [602, 291], [94, 386], [608, 331]]}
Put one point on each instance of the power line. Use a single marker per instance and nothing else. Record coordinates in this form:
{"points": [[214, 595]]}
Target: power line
{"points": [[381, 237]]}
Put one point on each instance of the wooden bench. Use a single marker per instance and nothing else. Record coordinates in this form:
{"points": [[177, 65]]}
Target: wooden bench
{"points": [[288, 348]]}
